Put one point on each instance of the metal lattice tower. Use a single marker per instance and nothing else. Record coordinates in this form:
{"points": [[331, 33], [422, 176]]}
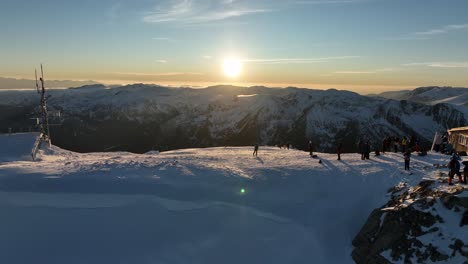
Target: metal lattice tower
{"points": [[44, 120]]}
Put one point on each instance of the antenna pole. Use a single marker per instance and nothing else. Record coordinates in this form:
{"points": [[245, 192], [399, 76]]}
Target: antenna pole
{"points": [[37, 84], [44, 126]]}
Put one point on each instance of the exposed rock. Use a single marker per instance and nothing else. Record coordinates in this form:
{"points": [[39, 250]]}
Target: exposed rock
{"points": [[408, 215], [450, 200]]}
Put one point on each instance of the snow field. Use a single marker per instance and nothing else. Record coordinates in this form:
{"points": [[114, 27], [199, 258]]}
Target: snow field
{"points": [[186, 206]]}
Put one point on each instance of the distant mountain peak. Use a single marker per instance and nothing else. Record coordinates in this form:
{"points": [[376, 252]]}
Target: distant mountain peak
{"points": [[12, 83]]}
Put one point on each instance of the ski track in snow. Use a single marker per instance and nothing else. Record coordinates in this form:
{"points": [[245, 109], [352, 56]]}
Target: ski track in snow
{"points": [[185, 206]]}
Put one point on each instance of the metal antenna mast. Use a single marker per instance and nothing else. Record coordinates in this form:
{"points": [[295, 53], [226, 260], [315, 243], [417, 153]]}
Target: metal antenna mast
{"points": [[44, 124]]}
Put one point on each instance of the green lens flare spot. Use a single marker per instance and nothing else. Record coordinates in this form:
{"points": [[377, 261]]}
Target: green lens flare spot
{"points": [[242, 191]]}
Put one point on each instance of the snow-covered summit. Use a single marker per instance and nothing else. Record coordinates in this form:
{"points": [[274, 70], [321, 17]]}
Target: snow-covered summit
{"points": [[432, 95], [187, 206]]}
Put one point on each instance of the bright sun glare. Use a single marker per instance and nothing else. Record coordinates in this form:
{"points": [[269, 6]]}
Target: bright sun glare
{"points": [[232, 67]]}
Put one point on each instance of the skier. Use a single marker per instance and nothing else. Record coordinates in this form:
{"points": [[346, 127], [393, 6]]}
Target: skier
{"points": [[339, 149], [407, 157], [255, 150]]}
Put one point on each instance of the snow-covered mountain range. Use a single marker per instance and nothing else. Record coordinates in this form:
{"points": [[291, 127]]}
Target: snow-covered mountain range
{"points": [[12, 83], [141, 117], [431, 95]]}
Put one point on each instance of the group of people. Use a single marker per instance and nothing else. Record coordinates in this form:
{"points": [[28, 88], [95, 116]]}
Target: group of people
{"points": [[405, 145], [454, 169], [400, 145], [364, 147]]}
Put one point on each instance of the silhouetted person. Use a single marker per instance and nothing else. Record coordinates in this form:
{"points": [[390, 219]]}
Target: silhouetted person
{"points": [[311, 148], [361, 148], [407, 157], [255, 150], [339, 149], [367, 150]]}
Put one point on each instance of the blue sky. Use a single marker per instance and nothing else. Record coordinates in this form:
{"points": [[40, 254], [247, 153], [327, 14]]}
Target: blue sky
{"points": [[352, 44]]}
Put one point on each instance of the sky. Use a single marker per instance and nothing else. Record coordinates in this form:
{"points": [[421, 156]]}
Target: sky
{"points": [[359, 45]]}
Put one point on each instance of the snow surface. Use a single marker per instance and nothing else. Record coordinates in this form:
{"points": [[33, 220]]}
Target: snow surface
{"points": [[185, 206], [17, 147]]}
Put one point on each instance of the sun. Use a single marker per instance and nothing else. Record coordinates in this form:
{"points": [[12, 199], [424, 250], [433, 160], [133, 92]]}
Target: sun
{"points": [[232, 67]]}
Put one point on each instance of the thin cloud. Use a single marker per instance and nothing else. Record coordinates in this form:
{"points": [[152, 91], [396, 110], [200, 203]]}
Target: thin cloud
{"points": [[221, 15], [446, 64], [158, 73], [207, 57], [407, 37], [297, 60], [389, 69], [425, 35], [355, 72], [192, 12], [161, 61], [171, 13], [163, 39], [325, 2], [442, 30]]}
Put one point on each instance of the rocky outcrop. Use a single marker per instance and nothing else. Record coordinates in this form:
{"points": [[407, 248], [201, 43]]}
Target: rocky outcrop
{"points": [[409, 227]]}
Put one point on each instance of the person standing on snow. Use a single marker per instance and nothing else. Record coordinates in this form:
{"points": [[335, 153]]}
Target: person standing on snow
{"points": [[311, 148], [339, 149], [361, 148], [454, 168], [367, 150], [407, 157], [255, 150]]}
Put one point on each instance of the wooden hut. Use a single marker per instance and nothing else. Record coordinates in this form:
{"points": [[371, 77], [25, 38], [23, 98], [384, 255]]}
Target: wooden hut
{"points": [[458, 137]]}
